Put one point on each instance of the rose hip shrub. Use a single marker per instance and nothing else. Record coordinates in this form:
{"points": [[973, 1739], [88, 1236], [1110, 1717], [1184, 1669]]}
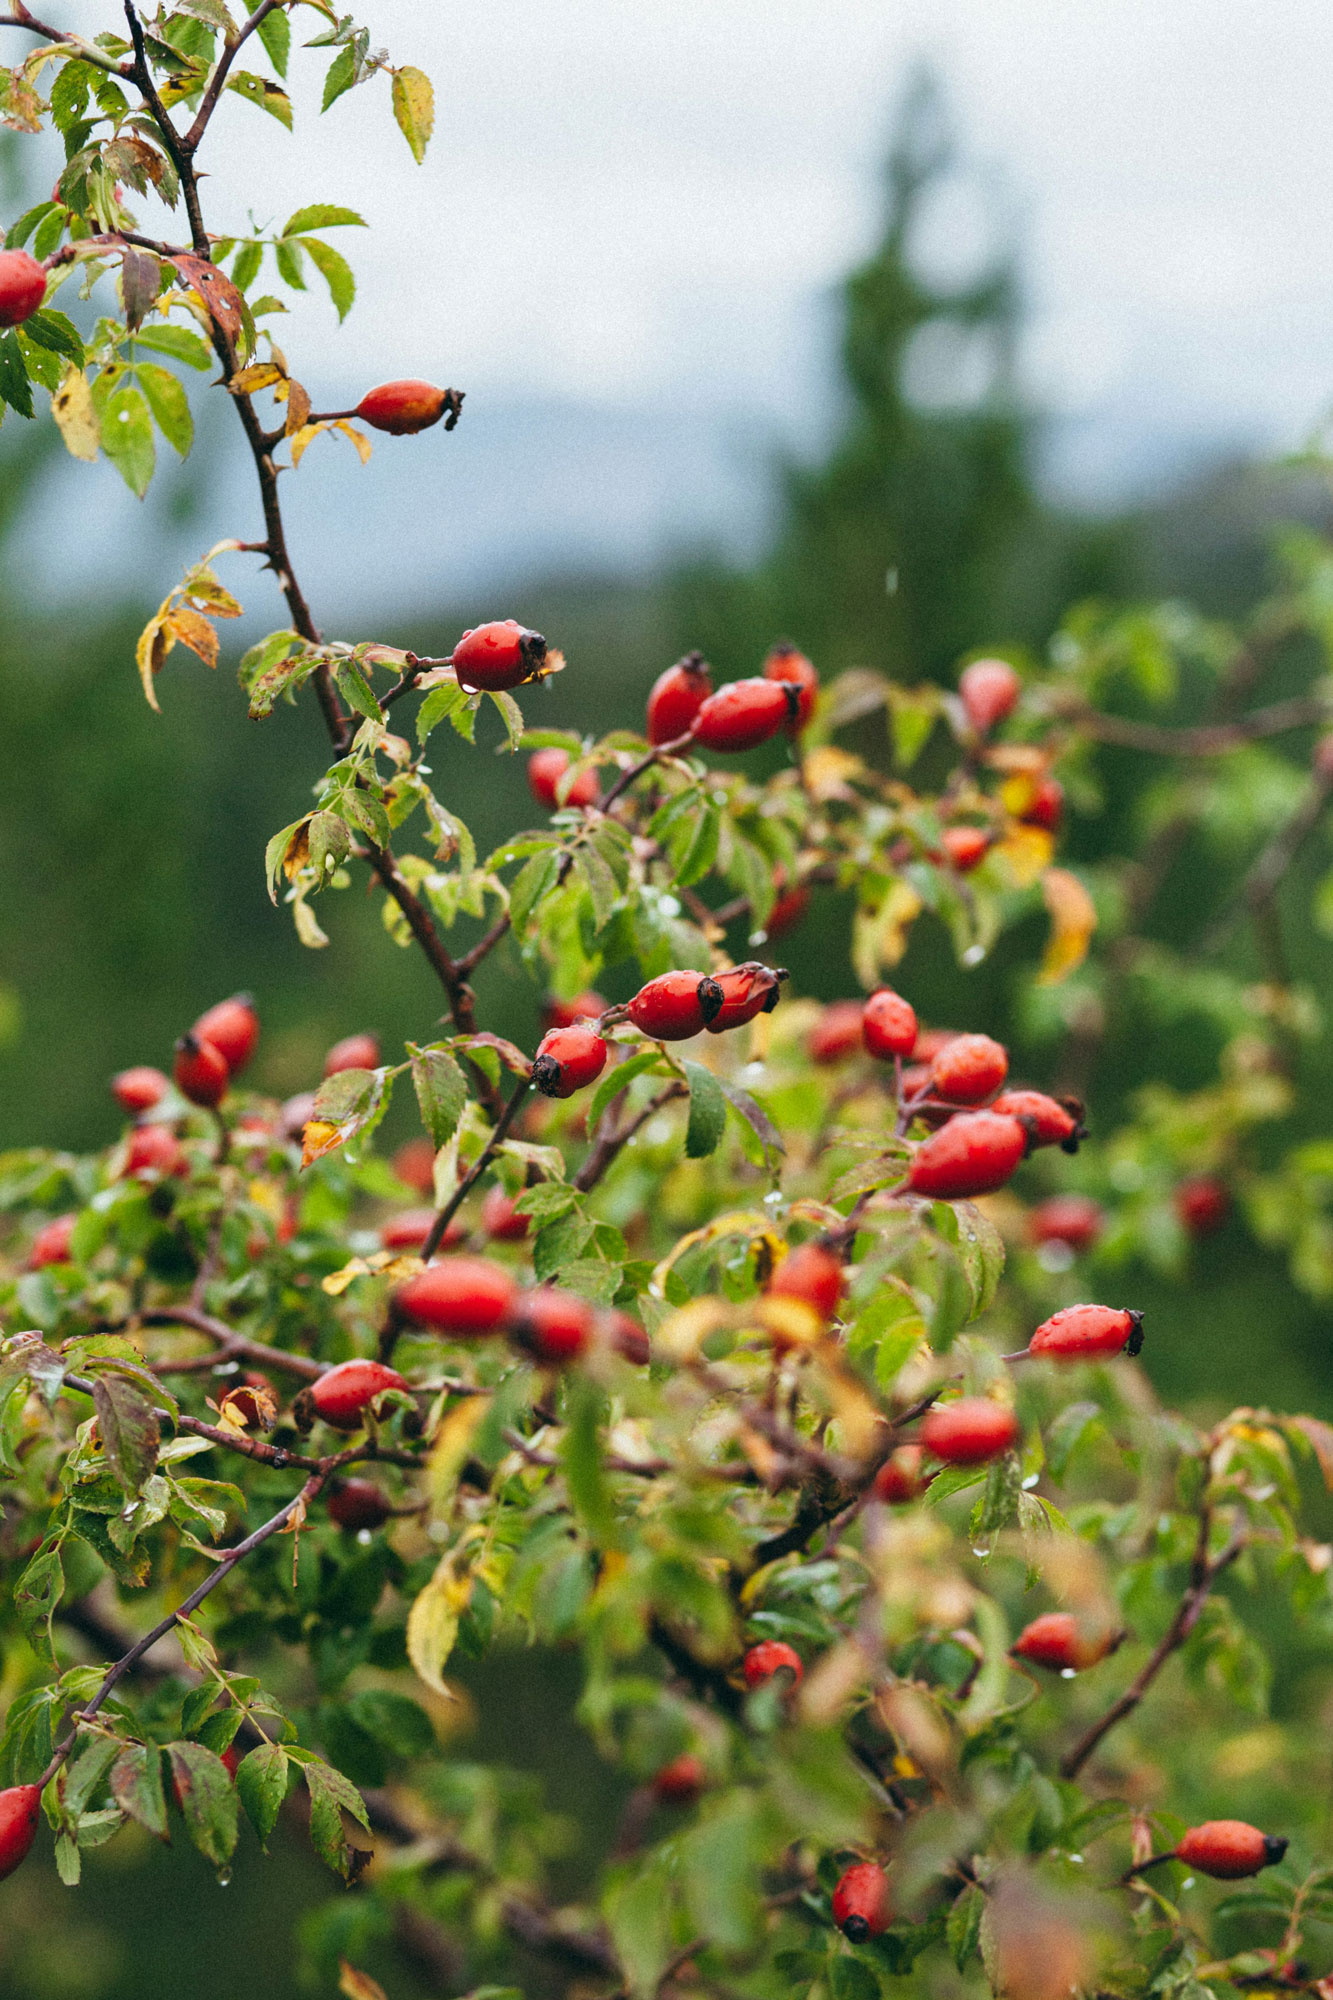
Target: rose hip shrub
{"points": [[921, 1639]]}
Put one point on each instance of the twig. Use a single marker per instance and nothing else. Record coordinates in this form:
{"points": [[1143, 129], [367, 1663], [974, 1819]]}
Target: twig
{"points": [[655, 756], [606, 1149], [1209, 739], [1204, 1572], [234, 1344], [191, 1604], [446, 1215], [230, 49]]}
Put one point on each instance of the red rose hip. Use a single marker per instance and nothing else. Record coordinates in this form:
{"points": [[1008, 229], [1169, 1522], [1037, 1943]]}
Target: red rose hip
{"points": [[1063, 1643], [968, 1069], [402, 408], [51, 1243], [675, 1006], [902, 1476], [680, 1782], [353, 1052], [154, 1150], [861, 1906], [747, 990], [232, 1027], [1088, 1333], [201, 1072], [888, 1025], [1045, 805], [970, 1431], [20, 1810], [990, 690], [568, 1059], [964, 847], [676, 698], [1075, 1219], [22, 287], [1229, 1849], [744, 714], [139, 1089], [409, 1229], [545, 770], [837, 1032], [587, 1006], [769, 1657], [553, 1325], [342, 1396], [788, 663], [811, 1274], [975, 1153], [461, 1296], [502, 654], [359, 1503], [1051, 1121], [502, 1219], [1202, 1204]]}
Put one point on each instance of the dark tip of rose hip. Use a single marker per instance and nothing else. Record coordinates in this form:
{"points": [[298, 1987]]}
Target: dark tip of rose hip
{"points": [[793, 691], [1275, 1846], [533, 646], [546, 1075], [857, 1929], [1135, 1342], [711, 998]]}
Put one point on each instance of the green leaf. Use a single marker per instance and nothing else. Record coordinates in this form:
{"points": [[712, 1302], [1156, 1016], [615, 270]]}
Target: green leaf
{"points": [[638, 1912], [963, 1929], [332, 1795], [169, 404], [581, 1457], [603, 889], [275, 32], [36, 1595], [127, 437], [136, 1786], [261, 1784], [441, 1090], [753, 1114], [287, 254], [321, 215], [262, 90], [531, 884], [335, 271], [979, 1245], [341, 77], [444, 701], [720, 1863], [708, 1112], [397, 1724], [51, 329], [25, 1748], [414, 108], [852, 1979], [207, 1799], [179, 343], [245, 269], [129, 1428], [23, 228], [358, 693], [15, 389]]}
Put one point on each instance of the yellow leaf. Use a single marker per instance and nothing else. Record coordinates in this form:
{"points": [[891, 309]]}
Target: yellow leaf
{"points": [[298, 407], [448, 1453], [1023, 854], [300, 441], [380, 1263], [262, 375], [827, 772], [358, 1985], [317, 1138], [432, 1624], [414, 109], [72, 408], [155, 642], [193, 630], [1073, 921], [879, 936], [359, 438]]}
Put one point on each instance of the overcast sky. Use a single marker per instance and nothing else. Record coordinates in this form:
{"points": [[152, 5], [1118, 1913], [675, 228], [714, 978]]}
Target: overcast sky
{"points": [[643, 204]]}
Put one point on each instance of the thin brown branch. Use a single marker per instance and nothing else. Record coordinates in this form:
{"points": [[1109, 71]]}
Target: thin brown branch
{"points": [[446, 1215], [654, 756], [234, 1345], [227, 1564], [1258, 891], [607, 1149], [471, 959], [1209, 739], [1204, 1572], [141, 75], [230, 50]]}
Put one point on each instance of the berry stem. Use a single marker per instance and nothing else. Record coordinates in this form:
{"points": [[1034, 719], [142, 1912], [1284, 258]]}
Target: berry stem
{"points": [[445, 1215]]}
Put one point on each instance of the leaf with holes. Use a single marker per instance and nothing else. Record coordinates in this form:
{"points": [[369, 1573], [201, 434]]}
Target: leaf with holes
{"points": [[207, 1799]]}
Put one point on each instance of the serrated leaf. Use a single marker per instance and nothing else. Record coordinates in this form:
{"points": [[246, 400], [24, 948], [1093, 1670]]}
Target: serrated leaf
{"points": [[207, 1799], [136, 1786], [275, 33], [341, 76], [321, 215], [169, 404], [179, 343], [76, 419], [618, 1077], [414, 109], [963, 1929], [52, 330], [129, 1428], [441, 1092], [36, 1595], [127, 438], [708, 1112], [261, 1785], [15, 389], [140, 285], [440, 703], [335, 271], [262, 90], [581, 1459]]}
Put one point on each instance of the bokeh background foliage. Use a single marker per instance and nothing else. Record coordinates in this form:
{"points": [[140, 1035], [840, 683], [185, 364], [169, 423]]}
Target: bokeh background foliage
{"points": [[131, 893]]}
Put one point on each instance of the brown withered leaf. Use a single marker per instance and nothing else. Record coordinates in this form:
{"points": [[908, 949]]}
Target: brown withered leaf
{"points": [[357, 1985], [220, 297], [298, 407]]}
